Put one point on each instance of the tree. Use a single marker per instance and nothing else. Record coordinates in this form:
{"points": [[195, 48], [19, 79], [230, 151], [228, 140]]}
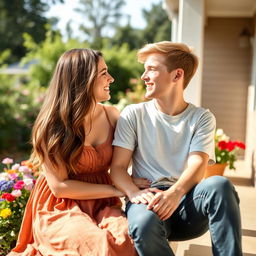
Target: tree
{"points": [[129, 35], [158, 25], [158, 28], [18, 17], [100, 14]]}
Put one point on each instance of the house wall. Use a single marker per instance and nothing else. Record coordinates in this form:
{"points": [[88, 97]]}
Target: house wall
{"points": [[227, 74], [251, 116]]}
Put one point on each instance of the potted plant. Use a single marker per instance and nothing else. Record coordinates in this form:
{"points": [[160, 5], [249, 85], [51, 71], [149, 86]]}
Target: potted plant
{"points": [[226, 152]]}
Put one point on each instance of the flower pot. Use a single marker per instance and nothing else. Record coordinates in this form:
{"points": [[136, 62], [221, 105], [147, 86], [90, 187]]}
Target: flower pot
{"points": [[216, 169]]}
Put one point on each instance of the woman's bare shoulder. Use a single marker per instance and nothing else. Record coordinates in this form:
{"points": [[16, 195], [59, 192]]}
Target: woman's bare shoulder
{"points": [[113, 114]]}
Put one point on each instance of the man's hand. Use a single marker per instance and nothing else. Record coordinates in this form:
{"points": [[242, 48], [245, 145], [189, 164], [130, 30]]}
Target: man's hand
{"points": [[143, 196], [164, 203]]}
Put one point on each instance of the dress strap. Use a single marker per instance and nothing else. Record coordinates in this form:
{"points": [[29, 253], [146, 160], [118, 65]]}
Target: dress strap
{"points": [[106, 112]]}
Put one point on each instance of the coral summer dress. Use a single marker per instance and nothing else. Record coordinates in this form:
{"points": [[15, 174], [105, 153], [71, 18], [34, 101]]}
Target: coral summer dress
{"points": [[60, 226]]}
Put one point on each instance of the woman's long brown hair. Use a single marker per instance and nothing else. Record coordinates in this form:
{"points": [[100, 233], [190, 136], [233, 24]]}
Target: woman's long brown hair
{"points": [[58, 132]]}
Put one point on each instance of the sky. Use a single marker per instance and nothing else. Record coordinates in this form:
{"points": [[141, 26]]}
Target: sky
{"points": [[65, 12]]}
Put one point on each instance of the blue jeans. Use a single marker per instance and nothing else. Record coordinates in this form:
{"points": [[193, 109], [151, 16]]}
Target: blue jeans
{"points": [[212, 204]]}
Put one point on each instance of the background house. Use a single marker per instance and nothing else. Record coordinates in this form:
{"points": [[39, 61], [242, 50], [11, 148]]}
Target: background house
{"points": [[222, 34]]}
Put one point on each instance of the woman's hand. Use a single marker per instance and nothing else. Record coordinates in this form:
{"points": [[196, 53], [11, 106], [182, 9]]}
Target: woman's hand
{"points": [[141, 182], [144, 196]]}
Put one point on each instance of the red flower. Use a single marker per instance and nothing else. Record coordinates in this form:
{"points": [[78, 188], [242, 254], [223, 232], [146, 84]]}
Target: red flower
{"points": [[9, 197], [222, 145], [231, 146], [240, 144]]}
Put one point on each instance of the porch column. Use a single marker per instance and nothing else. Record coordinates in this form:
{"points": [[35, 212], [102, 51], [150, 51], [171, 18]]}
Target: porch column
{"points": [[191, 32]]}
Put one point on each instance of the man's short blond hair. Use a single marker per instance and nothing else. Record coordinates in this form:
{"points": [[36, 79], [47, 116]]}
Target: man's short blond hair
{"points": [[177, 55]]}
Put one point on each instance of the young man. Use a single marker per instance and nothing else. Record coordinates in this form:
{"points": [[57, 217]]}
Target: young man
{"points": [[171, 142]]}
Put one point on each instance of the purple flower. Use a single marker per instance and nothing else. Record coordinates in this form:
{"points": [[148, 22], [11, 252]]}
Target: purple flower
{"points": [[6, 185]]}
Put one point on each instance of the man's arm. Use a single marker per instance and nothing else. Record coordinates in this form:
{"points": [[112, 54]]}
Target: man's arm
{"points": [[166, 202], [123, 181]]}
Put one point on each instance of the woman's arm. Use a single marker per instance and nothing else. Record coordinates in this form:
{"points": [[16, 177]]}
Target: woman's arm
{"points": [[62, 187]]}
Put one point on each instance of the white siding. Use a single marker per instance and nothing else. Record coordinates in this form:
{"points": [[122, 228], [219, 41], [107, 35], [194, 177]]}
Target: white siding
{"points": [[226, 74]]}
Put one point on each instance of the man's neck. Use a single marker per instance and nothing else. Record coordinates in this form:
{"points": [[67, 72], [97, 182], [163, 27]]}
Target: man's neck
{"points": [[171, 107]]}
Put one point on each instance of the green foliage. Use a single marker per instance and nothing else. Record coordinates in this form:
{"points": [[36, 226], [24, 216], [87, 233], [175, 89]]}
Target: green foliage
{"points": [[158, 26], [123, 66], [4, 56], [127, 35], [46, 55], [18, 17], [19, 105]]}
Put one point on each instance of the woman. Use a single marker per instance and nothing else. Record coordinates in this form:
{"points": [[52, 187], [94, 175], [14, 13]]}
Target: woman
{"points": [[74, 209]]}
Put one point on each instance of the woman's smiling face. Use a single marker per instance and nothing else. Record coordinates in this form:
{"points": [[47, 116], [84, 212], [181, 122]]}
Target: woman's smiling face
{"points": [[103, 81]]}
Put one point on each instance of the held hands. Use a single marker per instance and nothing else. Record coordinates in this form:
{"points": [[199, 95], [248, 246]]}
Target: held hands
{"points": [[163, 203], [143, 196]]}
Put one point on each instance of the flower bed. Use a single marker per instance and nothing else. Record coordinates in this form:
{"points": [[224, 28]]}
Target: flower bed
{"points": [[16, 183]]}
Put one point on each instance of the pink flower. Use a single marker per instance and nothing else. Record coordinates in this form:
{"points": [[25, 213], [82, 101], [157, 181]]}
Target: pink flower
{"points": [[24, 169], [9, 197], [15, 167], [25, 92], [19, 184], [7, 161], [13, 176], [16, 193]]}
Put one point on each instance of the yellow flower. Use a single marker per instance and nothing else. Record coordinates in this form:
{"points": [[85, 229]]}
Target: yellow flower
{"points": [[5, 213]]}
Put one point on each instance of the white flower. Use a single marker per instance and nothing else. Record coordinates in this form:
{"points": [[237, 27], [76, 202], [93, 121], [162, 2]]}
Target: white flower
{"points": [[28, 184], [4, 176], [220, 135], [16, 193]]}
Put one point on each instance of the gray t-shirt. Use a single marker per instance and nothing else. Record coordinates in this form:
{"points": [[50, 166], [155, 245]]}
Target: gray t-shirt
{"points": [[161, 143]]}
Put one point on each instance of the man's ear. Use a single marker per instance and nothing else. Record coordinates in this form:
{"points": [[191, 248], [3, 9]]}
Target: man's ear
{"points": [[179, 73]]}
